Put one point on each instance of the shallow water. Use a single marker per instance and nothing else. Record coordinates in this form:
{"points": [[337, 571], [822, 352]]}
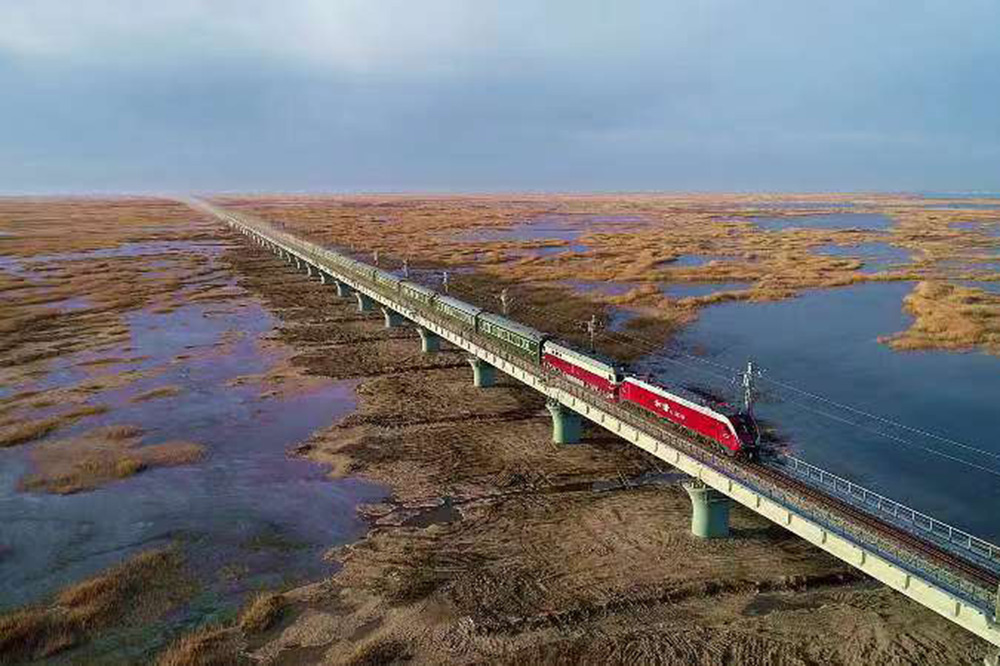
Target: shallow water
{"points": [[960, 195], [695, 260], [877, 257], [550, 251], [992, 287], [135, 249], [22, 265], [807, 205], [554, 227], [697, 289], [959, 206], [247, 507], [618, 318], [825, 342], [869, 221], [983, 228], [600, 288]]}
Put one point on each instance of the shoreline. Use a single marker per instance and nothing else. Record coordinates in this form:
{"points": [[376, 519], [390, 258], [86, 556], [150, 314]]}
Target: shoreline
{"points": [[495, 544], [172, 367]]}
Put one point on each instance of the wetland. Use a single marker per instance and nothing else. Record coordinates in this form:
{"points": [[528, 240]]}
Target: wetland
{"points": [[287, 481]]}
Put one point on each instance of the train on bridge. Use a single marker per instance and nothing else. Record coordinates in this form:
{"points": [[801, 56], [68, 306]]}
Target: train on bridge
{"points": [[942, 567], [732, 432]]}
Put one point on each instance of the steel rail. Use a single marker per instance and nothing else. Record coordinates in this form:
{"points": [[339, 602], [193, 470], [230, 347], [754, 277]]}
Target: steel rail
{"points": [[968, 580]]}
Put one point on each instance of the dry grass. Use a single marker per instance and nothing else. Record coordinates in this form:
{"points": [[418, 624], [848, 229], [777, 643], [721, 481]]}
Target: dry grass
{"points": [[206, 647], [99, 457], [38, 226], [779, 264], [379, 652], [948, 316], [34, 327], [262, 613], [27, 431], [142, 588], [99, 362], [534, 571], [161, 392], [226, 644]]}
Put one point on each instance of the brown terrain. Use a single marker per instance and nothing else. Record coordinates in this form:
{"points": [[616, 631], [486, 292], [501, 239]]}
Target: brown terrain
{"points": [[496, 545], [636, 241], [58, 304]]}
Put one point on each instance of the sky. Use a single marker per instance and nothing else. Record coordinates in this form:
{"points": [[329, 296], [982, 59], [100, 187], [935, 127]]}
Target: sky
{"points": [[512, 95]]}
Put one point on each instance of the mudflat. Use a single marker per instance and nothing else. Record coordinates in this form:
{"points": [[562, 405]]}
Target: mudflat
{"points": [[499, 546], [494, 544]]}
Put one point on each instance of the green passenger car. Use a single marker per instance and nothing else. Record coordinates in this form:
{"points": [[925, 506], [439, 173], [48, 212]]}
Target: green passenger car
{"points": [[518, 338], [460, 311], [417, 293]]}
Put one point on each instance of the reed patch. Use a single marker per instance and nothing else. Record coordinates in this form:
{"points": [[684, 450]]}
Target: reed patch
{"points": [[99, 457], [141, 589]]}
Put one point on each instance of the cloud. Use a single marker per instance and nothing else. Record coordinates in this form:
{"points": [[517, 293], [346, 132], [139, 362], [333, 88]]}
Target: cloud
{"points": [[483, 93], [344, 35]]}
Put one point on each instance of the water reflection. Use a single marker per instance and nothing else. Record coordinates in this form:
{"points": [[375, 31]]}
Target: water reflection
{"points": [[868, 221], [876, 257], [679, 290], [555, 227], [247, 507], [826, 343]]}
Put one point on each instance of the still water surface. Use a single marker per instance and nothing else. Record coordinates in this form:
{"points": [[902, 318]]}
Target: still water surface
{"points": [[825, 342], [869, 221], [247, 516]]}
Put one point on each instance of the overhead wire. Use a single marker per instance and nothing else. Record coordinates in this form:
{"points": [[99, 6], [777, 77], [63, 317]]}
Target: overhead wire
{"points": [[647, 346], [644, 344]]}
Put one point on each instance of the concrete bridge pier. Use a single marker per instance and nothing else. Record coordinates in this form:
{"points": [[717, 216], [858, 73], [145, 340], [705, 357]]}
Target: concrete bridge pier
{"points": [[325, 277], [567, 425], [709, 510], [343, 289], [365, 303], [313, 270], [484, 375], [392, 318], [429, 342]]}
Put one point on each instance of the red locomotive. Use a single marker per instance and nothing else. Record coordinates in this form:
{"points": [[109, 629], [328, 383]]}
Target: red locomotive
{"points": [[734, 433]]}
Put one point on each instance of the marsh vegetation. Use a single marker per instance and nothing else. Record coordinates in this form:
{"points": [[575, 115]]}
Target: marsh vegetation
{"points": [[491, 544]]}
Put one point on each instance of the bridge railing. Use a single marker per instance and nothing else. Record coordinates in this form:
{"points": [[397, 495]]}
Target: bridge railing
{"points": [[917, 562], [830, 519], [956, 539]]}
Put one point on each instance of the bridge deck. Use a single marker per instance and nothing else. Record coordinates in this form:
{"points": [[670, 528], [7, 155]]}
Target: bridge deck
{"points": [[960, 589]]}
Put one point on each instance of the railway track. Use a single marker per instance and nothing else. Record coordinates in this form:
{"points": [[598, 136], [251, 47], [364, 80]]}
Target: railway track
{"points": [[970, 570], [943, 579], [763, 476]]}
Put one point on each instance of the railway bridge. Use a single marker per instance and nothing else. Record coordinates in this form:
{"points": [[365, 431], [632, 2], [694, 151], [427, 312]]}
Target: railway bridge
{"points": [[951, 572]]}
